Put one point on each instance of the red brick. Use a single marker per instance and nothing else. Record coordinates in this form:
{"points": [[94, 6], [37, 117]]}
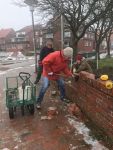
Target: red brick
{"points": [[95, 100]]}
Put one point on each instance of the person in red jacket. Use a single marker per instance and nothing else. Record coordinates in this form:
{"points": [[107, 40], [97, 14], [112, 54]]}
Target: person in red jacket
{"points": [[53, 65]]}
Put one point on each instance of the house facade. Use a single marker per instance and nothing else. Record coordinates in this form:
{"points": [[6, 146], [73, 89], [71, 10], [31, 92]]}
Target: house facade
{"points": [[5, 39], [86, 43], [21, 40]]}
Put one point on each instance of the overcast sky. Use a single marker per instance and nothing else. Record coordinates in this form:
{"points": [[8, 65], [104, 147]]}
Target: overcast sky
{"points": [[12, 16]]}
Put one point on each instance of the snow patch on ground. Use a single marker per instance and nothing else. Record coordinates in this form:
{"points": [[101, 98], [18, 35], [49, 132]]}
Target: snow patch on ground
{"points": [[82, 129], [103, 55], [32, 65], [2, 72], [32, 57], [5, 72], [14, 69]]}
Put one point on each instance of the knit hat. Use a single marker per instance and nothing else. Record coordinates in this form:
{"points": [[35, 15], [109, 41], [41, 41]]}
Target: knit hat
{"points": [[79, 57], [68, 52]]}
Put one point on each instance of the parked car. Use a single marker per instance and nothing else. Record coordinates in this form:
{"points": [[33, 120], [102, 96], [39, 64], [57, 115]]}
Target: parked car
{"points": [[10, 58]]}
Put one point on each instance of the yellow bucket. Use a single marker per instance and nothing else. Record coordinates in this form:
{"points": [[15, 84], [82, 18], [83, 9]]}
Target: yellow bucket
{"points": [[109, 84], [104, 77]]}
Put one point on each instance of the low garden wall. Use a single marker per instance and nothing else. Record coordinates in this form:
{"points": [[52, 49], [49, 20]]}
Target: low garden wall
{"points": [[94, 99]]}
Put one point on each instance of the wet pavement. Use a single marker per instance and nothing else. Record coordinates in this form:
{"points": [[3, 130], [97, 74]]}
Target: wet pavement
{"points": [[62, 131]]}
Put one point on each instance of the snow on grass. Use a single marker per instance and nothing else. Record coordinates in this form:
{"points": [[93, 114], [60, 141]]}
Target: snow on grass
{"points": [[82, 129], [103, 55]]}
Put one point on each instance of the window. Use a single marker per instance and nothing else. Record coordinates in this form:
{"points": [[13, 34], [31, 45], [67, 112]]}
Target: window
{"points": [[40, 41], [66, 43], [49, 35], [67, 34], [92, 37], [88, 43], [13, 40], [85, 35], [36, 33]]}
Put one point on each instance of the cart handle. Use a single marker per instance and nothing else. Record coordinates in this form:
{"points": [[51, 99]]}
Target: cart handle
{"points": [[21, 75]]}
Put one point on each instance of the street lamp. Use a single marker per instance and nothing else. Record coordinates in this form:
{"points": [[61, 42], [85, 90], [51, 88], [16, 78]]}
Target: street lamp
{"points": [[62, 32], [34, 38], [31, 7]]}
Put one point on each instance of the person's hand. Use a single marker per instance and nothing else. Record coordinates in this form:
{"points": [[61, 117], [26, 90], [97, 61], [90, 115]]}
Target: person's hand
{"points": [[72, 76], [50, 73], [76, 74]]}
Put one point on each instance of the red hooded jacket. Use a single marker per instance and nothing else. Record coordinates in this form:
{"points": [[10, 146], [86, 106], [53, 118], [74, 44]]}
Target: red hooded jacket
{"points": [[56, 63]]}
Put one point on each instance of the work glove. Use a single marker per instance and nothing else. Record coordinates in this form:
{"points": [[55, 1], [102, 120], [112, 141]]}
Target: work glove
{"points": [[76, 76], [50, 73]]}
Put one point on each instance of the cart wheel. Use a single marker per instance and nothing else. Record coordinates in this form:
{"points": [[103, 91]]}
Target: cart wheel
{"points": [[11, 113], [31, 109], [22, 110]]}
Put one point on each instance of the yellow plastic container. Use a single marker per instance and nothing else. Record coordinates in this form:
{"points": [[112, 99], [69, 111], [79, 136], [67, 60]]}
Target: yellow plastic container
{"points": [[109, 84], [104, 77]]}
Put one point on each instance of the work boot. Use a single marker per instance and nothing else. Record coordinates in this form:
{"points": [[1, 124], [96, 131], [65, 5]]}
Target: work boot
{"points": [[36, 81]]}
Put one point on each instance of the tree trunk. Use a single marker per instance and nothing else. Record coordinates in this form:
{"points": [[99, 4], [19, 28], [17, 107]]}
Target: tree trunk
{"points": [[97, 51], [108, 50], [108, 44], [97, 55], [75, 49]]}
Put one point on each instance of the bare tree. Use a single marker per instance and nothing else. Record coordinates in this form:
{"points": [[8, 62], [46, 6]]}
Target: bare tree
{"points": [[108, 41], [79, 14], [102, 28]]}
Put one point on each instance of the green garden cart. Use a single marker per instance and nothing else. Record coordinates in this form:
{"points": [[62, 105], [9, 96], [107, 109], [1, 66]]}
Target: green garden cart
{"points": [[20, 92]]}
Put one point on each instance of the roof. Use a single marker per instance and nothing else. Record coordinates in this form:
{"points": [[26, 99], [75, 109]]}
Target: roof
{"points": [[28, 29], [4, 32]]}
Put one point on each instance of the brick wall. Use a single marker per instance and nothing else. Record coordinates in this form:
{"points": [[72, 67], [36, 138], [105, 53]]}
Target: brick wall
{"points": [[94, 100]]}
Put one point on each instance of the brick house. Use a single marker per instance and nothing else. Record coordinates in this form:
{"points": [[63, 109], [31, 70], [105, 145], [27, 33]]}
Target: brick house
{"points": [[24, 39], [21, 40], [86, 44], [5, 38]]}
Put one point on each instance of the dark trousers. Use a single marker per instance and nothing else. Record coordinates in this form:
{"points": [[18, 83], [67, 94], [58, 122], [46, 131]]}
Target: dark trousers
{"points": [[39, 70]]}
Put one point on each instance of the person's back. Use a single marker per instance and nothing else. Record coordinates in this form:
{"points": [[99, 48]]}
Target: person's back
{"points": [[82, 65], [45, 51], [56, 63]]}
